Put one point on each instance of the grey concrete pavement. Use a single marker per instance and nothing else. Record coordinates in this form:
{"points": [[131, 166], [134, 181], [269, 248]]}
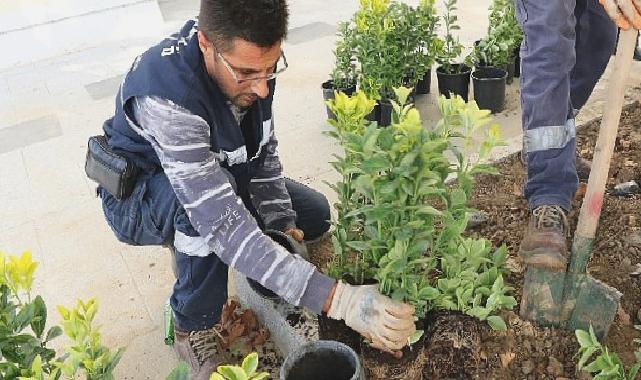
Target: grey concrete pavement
{"points": [[49, 107]]}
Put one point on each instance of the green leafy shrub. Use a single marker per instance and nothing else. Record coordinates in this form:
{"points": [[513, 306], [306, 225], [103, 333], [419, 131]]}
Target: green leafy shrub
{"points": [[385, 43], [504, 35], [24, 345], [400, 223]]}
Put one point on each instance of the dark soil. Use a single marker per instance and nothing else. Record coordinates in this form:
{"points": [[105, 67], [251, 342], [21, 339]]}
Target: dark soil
{"points": [[451, 340], [529, 352], [526, 351], [330, 329], [381, 365]]}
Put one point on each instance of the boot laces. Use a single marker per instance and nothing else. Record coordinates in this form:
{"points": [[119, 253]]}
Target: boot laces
{"points": [[550, 216], [203, 343]]}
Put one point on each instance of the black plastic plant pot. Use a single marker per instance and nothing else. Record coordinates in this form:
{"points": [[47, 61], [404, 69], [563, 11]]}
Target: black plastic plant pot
{"points": [[328, 94], [291, 246], [489, 88], [517, 62], [385, 113], [457, 82], [322, 360], [423, 85], [510, 71]]}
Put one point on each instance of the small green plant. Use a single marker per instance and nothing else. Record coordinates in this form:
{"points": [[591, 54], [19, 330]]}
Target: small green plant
{"points": [[343, 75], [87, 353], [400, 223], [504, 35], [246, 371], [597, 360], [451, 46], [24, 345]]}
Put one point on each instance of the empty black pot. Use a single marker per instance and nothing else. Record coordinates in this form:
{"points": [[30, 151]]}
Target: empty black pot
{"points": [[457, 83], [322, 360], [489, 88]]}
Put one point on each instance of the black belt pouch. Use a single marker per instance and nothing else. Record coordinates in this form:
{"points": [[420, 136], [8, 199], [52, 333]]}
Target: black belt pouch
{"points": [[115, 173]]}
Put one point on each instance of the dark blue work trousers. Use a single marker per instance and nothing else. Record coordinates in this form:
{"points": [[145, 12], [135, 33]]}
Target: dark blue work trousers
{"points": [[152, 214], [566, 49]]}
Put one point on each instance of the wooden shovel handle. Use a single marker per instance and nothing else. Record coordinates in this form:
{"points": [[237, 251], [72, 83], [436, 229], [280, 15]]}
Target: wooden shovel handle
{"points": [[593, 202]]}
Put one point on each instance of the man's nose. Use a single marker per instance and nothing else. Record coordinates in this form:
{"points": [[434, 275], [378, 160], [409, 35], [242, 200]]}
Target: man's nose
{"points": [[260, 87]]}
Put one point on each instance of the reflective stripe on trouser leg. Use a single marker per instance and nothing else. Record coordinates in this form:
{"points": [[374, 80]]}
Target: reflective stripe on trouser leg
{"points": [[552, 177], [596, 37], [547, 59], [200, 290]]}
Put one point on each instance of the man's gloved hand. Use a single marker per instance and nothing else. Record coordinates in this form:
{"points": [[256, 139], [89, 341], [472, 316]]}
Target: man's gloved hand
{"points": [[625, 13], [387, 323], [297, 234]]}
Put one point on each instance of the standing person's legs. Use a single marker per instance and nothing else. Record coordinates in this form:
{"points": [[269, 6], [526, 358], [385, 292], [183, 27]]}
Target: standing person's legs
{"points": [[596, 37], [547, 60]]}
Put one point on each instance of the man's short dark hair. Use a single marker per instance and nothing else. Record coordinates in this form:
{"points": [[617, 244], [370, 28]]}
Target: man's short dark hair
{"points": [[262, 22]]}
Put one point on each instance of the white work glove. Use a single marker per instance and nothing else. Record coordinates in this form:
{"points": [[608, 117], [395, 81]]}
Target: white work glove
{"points": [[625, 13], [386, 323]]}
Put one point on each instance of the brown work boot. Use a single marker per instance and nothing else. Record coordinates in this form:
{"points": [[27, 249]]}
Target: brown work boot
{"points": [[199, 349], [544, 243]]}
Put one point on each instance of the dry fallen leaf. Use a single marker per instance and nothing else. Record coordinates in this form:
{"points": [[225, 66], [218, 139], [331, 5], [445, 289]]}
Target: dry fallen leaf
{"points": [[249, 319], [506, 358]]}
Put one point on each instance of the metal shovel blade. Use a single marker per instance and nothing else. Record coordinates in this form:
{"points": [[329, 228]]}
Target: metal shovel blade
{"points": [[596, 304], [586, 301], [542, 296]]}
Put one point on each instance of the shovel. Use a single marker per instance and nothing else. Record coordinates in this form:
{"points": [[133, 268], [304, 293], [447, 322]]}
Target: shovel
{"points": [[572, 299]]}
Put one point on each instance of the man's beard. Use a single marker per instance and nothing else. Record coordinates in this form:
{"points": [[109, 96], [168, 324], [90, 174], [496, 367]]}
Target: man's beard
{"points": [[244, 100]]}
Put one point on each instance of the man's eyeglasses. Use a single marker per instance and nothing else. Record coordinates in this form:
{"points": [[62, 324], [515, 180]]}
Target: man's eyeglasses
{"points": [[280, 66]]}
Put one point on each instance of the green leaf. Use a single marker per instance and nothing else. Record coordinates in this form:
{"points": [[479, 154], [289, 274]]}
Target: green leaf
{"points": [[232, 372], [587, 354], [40, 316], [496, 323], [54, 332], [250, 363], [583, 338], [358, 245], [429, 293], [260, 376], [214, 376], [428, 210]]}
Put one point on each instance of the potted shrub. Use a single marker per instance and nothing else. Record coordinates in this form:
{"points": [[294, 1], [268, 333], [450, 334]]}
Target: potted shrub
{"points": [[401, 224], [416, 31], [506, 34], [381, 57], [453, 77], [342, 77], [490, 57]]}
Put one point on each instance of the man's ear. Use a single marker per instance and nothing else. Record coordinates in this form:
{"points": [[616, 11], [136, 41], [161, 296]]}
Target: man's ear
{"points": [[203, 42]]}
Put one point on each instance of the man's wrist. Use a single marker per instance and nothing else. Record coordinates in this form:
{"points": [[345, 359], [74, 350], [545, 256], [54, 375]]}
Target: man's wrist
{"points": [[330, 298]]}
